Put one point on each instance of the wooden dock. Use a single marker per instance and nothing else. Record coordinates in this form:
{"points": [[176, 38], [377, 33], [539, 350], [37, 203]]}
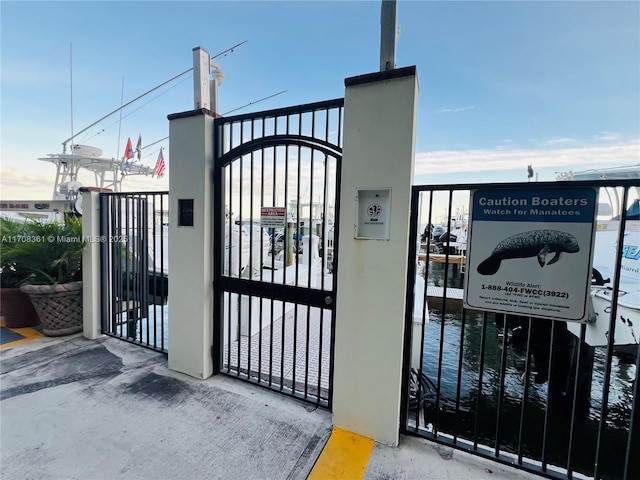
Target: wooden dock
{"points": [[441, 258], [435, 294]]}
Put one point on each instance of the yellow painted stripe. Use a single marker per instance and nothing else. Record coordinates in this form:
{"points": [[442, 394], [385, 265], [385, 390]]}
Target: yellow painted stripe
{"points": [[345, 456], [28, 333]]}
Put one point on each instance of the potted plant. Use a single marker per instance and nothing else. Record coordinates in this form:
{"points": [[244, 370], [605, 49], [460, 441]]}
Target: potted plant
{"points": [[15, 306], [51, 255]]}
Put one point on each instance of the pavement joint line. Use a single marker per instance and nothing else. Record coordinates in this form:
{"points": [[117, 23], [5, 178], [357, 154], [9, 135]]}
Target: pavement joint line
{"points": [[28, 333], [345, 456]]}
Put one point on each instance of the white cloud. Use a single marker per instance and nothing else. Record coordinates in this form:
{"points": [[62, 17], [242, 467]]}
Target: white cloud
{"points": [[558, 141], [447, 161], [37, 184], [18, 184], [609, 136], [146, 184], [456, 110]]}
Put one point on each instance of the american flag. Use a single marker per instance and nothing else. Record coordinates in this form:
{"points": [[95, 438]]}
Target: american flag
{"points": [[160, 165]]}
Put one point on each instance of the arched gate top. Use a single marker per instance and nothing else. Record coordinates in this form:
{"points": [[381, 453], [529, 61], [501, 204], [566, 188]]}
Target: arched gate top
{"points": [[279, 141]]}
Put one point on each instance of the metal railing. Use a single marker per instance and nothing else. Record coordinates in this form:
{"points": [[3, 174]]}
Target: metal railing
{"points": [[134, 263], [524, 391]]}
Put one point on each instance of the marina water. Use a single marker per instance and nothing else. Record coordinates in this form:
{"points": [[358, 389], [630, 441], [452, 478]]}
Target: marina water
{"points": [[463, 412]]}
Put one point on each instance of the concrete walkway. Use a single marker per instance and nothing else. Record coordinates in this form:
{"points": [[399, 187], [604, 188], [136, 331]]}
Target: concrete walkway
{"points": [[77, 409]]}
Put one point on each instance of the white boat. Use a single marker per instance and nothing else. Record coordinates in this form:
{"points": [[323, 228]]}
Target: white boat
{"points": [[627, 328], [455, 243], [109, 173]]}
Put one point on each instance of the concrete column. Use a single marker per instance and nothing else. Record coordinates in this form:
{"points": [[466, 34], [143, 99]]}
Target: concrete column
{"points": [[191, 247], [379, 147], [91, 301]]}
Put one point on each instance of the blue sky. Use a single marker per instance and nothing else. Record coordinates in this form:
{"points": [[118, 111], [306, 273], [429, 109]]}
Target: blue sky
{"points": [[502, 84]]}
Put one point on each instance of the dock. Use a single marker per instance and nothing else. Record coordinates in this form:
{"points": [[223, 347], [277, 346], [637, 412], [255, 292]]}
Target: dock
{"points": [[442, 258], [435, 297]]}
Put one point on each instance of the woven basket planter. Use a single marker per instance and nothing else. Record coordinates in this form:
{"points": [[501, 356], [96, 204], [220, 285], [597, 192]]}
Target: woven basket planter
{"points": [[16, 309], [58, 306]]}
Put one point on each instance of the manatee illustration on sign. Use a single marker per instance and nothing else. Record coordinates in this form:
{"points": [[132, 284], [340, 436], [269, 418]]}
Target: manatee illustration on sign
{"points": [[535, 243]]}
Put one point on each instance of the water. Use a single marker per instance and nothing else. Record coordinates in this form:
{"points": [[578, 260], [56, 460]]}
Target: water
{"points": [[152, 330], [476, 416]]}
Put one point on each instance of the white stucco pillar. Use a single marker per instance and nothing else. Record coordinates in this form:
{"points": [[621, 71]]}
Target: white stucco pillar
{"points": [[379, 146], [191, 246], [91, 299]]}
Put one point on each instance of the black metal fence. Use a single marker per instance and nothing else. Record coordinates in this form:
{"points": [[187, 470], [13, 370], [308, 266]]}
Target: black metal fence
{"points": [[134, 264], [276, 181], [542, 395]]}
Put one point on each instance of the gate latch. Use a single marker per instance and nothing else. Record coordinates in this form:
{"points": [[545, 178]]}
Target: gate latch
{"points": [[328, 300]]}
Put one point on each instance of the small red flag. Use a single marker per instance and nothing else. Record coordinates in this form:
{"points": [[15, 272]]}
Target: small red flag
{"points": [[128, 151]]}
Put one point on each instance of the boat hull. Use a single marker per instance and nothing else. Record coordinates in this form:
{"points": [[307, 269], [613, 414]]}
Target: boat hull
{"points": [[627, 325]]}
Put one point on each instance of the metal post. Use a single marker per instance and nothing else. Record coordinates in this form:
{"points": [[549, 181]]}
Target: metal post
{"points": [[289, 243], [201, 69], [388, 29]]}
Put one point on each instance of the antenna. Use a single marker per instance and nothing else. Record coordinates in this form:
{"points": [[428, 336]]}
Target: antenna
{"points": [[120, 121], [71, 93]]}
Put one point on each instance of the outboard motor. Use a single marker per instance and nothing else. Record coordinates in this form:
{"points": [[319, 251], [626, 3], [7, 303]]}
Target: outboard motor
{"points": [[70, 191]]}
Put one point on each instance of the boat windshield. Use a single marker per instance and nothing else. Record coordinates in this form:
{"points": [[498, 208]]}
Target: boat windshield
{"points": [[634, 211]]}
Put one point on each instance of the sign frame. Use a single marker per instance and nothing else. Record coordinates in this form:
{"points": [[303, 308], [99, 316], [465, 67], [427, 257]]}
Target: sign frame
{"points": [[373, 213], [530, 251], [273, 217]]}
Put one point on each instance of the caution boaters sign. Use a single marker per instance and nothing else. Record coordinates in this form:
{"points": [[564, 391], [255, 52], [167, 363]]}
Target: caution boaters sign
{"points": [[530, 251]]}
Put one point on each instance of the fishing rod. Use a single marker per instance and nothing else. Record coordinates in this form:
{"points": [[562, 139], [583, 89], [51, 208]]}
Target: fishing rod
{"points": [[235, 109], [253, 103], [64, 144], [134, 111]]}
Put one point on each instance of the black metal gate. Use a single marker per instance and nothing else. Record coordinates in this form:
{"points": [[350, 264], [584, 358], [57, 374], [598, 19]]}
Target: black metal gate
{"points": [[529, 392], [134, 267], [276, 204]]}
